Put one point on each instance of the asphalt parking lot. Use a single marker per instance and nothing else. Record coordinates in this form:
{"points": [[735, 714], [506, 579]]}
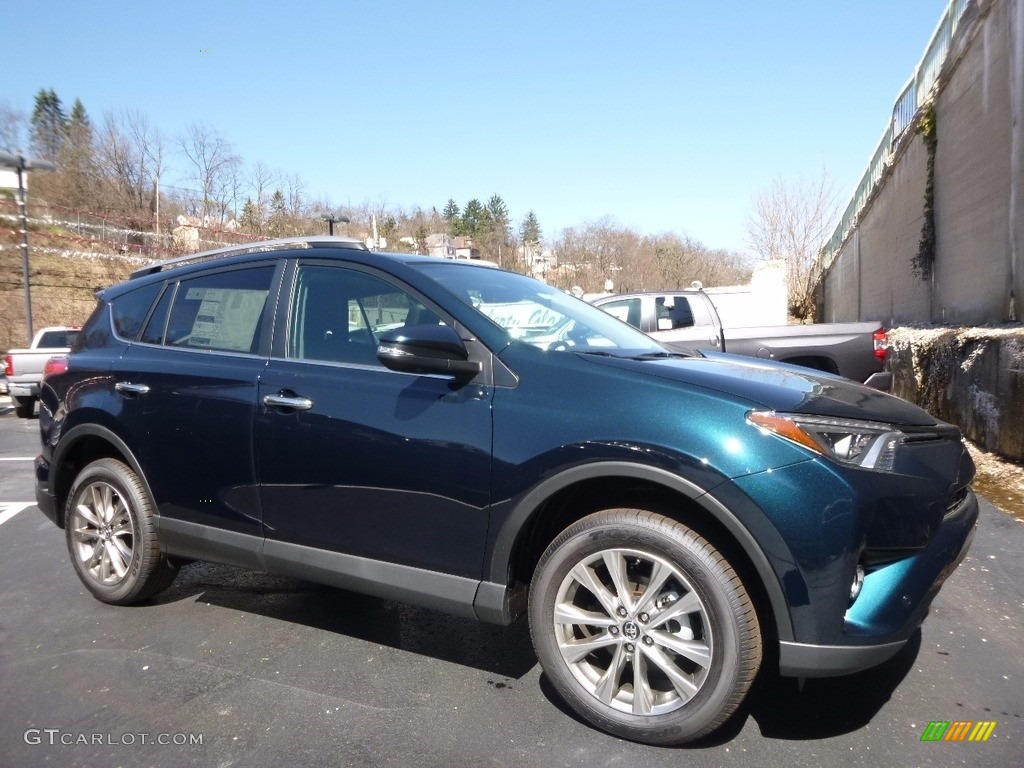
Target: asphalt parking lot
{"points": [[231, 667]]}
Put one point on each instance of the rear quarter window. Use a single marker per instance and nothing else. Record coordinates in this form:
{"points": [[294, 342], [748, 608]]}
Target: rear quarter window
{"points": [[129, 310], [95, 334]]}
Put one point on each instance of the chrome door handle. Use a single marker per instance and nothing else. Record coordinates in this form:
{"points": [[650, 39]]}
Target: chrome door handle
{"points": [[283, 401], [128, 388]]}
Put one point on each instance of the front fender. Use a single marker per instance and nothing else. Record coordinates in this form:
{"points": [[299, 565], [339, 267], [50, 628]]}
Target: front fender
{"points": [[498, 564]]}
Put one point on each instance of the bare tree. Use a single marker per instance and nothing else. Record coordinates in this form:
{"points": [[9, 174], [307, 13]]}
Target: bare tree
{"points": [[262, 181], [791, 221], [130, 156], [212, 165], [599, 251], [295, 195], [13, 129]]}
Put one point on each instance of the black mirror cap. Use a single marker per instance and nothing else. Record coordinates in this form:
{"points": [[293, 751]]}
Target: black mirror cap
{"points": [[426, 349]]}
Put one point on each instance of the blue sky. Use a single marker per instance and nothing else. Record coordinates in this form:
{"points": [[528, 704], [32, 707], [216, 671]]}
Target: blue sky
{"points": [[668, 116]]}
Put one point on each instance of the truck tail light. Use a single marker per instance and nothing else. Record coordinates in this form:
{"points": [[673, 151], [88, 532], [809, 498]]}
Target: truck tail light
{"points": [[56, 364], [881, 340], [8, 365]]}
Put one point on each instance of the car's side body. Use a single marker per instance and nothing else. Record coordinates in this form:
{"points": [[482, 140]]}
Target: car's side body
{"points": [[445, 490]]}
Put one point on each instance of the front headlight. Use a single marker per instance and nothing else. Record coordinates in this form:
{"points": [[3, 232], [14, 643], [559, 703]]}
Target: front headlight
{"points": [[866, 444]]}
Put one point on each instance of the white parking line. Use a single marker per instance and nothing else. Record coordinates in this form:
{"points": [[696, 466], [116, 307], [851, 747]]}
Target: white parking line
{"points": [[17, 458], [9, 509]]}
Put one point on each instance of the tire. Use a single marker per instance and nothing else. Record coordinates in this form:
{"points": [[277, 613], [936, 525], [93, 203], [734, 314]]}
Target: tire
{"points": [[24, 407], [110, 525], [692, 641]]}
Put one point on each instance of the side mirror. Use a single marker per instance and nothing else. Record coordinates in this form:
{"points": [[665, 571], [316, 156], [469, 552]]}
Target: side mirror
{"points": [[426, 349]]}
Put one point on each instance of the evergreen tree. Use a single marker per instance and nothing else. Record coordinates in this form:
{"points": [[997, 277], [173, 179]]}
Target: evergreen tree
{"points": [[252, 219], [278, 205], [421, 239], [79, 119], [452, 219], [497, 212], [278, 220], [473, 216], [76, 160], [529, 230], [49, 124]]}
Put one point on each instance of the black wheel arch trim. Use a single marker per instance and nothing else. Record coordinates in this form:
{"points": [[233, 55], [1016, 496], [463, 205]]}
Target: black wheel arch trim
{"points": [[74, 436], [501, 554]]}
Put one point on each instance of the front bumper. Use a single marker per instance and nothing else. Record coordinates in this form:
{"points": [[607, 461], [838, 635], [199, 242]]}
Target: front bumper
{"points": [[892, 604]]}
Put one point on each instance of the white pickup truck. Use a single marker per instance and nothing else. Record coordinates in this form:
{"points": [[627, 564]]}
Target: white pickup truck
{"points": [[687, 319], [24, 367]]}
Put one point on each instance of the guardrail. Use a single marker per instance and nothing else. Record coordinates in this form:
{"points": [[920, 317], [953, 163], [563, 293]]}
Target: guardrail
{"points": [[915, 93]]}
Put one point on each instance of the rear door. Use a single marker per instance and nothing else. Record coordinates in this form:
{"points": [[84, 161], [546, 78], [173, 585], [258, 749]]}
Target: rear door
{"points": [[186, 389], [355, 458]]}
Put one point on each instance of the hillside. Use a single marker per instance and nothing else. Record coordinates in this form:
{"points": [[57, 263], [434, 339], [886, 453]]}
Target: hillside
{"points": [[65, 273]]}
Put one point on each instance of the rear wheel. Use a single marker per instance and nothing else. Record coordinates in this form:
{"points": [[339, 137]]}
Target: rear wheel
{"points": [[643, 627], [110, 526], [24, 407]]}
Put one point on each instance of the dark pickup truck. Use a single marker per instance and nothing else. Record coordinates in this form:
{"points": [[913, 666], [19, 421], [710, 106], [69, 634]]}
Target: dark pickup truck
{"points": [[688, 320]]}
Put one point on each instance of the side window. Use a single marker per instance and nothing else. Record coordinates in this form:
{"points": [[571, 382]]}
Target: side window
{"points": [[338, 315], [626, 310], [673, 312], [220, 312], [154, 333], [129, 311]]}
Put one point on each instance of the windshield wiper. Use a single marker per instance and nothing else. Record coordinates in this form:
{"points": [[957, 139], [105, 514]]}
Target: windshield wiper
{"points": [[597, 352], [661, 355]]}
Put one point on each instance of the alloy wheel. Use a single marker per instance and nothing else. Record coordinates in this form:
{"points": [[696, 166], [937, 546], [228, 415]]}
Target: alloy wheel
{"points": [[633, 631]]}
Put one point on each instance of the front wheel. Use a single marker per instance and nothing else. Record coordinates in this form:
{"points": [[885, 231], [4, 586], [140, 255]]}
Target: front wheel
{"points": [[643, 627], [111, 533]]}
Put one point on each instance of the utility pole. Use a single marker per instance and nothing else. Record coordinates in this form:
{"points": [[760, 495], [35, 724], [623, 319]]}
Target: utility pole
{"points": [[22, 164]]}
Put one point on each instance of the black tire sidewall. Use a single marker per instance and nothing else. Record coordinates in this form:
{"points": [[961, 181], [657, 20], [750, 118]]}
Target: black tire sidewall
{"points": [[709, 580], [24, 407]]}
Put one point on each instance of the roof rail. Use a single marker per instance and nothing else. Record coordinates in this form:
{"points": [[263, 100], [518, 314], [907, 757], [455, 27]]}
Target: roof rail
{"points": [[308, 241]]}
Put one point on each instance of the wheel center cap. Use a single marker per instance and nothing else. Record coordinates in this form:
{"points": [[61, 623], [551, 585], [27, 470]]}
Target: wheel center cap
{"points": [[631, 630]]}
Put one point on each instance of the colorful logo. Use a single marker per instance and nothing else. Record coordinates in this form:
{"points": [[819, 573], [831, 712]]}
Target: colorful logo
{"points": [[958, 730]]}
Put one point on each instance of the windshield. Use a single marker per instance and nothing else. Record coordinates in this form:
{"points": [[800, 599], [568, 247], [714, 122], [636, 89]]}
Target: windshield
{"points": [[533, 313]]}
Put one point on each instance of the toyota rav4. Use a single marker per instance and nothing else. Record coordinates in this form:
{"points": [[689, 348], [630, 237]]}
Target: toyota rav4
{"points": [[402, 426]]}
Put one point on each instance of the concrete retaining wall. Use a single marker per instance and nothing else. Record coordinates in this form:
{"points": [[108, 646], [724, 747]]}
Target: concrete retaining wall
{"points": [[979, 195], [971, 377]]}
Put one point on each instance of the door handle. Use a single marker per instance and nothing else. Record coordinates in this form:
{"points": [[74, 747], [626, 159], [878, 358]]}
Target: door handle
{"points": [[128, 388], [284, 401]]}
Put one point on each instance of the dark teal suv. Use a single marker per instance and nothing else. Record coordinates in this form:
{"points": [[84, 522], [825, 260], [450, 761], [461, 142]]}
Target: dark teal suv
{"points": [[478, 442]]}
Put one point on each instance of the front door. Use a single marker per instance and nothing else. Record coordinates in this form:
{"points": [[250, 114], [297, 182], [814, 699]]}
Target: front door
{"points": [[361, 460]]}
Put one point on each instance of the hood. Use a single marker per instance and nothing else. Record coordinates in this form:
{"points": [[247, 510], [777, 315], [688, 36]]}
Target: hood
{"points": [[779, 387]]}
